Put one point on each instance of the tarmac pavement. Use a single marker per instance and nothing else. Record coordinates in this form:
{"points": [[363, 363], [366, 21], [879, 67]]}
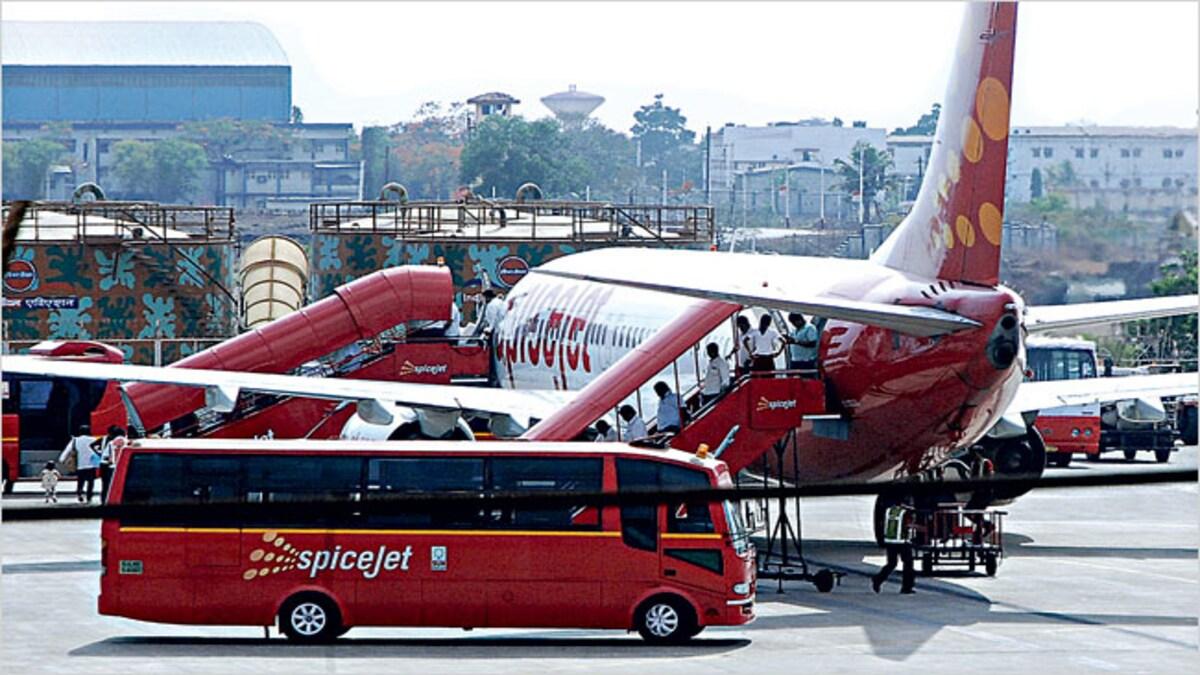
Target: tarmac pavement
{"points": [[1094, 580]]}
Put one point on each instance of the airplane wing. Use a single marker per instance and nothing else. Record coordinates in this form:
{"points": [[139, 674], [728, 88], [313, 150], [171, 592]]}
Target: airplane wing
{"points": [[1059, 317], [222, 387], [1035, 396], [786, 283]]}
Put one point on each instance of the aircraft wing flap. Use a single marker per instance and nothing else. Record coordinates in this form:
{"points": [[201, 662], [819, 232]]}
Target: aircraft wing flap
{"points": [[788, 284], [1035, 396], [1062, 317], [518, 404]]}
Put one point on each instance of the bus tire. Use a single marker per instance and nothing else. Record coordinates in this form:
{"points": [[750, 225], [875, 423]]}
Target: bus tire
{"points": [[9, 483], [989, 565], [310, 617], [1162, 455], [666, 619], [1130, 454]]}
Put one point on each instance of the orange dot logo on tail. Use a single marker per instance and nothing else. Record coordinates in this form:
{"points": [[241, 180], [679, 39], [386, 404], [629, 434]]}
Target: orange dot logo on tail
{"points": [[965, 230], [972, 141], [991, 223], [991, 106]]}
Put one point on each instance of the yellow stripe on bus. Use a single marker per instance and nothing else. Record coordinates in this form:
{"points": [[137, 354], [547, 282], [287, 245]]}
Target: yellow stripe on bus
{"points": [[10, 439], [468, 533], [681, 535]]}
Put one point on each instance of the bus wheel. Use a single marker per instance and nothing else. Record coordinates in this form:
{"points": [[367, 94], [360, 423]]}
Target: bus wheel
{"points": [[989, 565], [9, 483], [1130, 454], [1162, 455], [666, 620], [310, 617]]}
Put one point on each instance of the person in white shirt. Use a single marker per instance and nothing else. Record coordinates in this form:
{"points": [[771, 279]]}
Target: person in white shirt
{"points": [[742, 353], [764, 343], [493, 312], [110, 452], [668, 417], [635, 428], [605, 433], [87, 459], [453, 329], [716, 376]]}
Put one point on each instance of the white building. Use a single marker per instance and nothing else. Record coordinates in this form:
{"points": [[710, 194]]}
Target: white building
{"points": [[736, 149], [1121, 168]]}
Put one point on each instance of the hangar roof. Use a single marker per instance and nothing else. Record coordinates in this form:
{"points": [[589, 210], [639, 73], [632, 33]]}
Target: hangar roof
{"points": [[139, 43]]}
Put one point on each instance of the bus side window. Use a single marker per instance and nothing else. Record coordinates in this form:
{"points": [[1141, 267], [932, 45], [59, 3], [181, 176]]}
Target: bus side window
{"points": [[639, 524], [523, 474], [408, 475], [273, 479], [154, 479]]}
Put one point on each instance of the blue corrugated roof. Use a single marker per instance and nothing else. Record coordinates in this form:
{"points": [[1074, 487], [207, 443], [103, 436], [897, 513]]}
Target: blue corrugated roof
{"points": [[139, 43]]}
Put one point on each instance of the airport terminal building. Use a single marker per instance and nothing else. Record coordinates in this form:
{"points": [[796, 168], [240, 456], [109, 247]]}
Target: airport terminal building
{"points": [[92, 85]]}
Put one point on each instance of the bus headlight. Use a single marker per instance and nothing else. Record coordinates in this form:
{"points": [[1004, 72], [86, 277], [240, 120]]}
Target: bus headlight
{"points": [[1087, 433], [1075, 433], [742, 588]]}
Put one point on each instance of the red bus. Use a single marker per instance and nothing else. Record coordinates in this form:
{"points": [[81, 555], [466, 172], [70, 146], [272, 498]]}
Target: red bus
{"points": [[666, 571]]}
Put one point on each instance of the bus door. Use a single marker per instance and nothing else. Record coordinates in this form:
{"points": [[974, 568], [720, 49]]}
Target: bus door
{"points": [[555, 559], [691, 550]]}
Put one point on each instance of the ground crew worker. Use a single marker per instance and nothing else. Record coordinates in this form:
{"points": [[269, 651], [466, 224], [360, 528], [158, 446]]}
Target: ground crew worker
{"points": [[764, 343], [898, 540]]}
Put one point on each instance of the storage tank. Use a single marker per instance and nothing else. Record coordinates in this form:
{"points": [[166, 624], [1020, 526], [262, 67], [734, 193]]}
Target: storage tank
{"points": [[274, 279]]}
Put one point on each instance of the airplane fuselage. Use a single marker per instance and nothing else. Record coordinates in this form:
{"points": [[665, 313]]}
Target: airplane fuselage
{"points": [[909, 401]]}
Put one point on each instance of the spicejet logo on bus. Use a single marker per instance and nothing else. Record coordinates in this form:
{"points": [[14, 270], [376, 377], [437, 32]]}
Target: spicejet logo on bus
{"points": [[424, 369], [285, 558], [765, 403]]}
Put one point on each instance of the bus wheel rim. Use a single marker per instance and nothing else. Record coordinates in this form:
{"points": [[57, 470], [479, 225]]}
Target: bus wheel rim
{"points": [[308, 618], [662, 620]]}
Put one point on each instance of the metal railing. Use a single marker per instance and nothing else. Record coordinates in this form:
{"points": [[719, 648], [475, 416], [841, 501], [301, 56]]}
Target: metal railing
{"points": [[486, 219], [144, 222]]}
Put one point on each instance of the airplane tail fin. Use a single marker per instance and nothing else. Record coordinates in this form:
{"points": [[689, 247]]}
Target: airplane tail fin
{"points": [[954, 229]]}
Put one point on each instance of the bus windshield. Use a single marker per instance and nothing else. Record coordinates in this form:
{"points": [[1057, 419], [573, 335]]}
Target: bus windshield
{"points": [[1061, 364], [738, 533]]}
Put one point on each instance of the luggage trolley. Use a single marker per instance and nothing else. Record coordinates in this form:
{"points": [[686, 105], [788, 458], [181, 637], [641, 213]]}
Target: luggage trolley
{"points": [[955, 536]]}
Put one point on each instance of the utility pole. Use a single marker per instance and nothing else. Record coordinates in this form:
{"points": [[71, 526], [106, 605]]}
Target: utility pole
{"points": [[787, 197], [822, 190], [707, 164], [862, 198], [664, 188]]}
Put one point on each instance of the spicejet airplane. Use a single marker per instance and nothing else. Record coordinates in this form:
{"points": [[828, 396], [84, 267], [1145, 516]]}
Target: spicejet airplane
{"points": [[923, 348]]}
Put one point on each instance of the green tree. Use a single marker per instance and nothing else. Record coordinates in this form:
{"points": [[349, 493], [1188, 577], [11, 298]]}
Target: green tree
{"points": [[425, 151], [606, 157], [133, 167], [926, 125], [231, 138], [1035, 184], [505, 152], [1176, 335], [876, 174], [666, 143], [167, 171], [26, 164]]}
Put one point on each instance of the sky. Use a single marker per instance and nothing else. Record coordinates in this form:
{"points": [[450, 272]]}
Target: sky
{"points": [[1113, 63]]}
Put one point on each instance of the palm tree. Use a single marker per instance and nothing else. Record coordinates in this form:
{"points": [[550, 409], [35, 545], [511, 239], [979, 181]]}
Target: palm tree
{"points": [[876, 174]]}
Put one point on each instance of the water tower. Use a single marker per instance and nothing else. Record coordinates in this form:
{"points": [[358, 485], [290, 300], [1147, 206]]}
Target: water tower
{"points": [[572, 106]]}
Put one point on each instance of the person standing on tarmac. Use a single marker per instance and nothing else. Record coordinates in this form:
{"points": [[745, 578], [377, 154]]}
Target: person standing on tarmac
{"points": [[898, 540], [86, 449]]}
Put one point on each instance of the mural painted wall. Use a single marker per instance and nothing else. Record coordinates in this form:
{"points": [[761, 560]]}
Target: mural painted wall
{"points": [[337, 259], [94, 291]]}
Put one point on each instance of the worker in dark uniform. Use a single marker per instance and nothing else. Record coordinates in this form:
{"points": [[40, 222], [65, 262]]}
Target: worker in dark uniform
{"points": [[898, 540]]}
